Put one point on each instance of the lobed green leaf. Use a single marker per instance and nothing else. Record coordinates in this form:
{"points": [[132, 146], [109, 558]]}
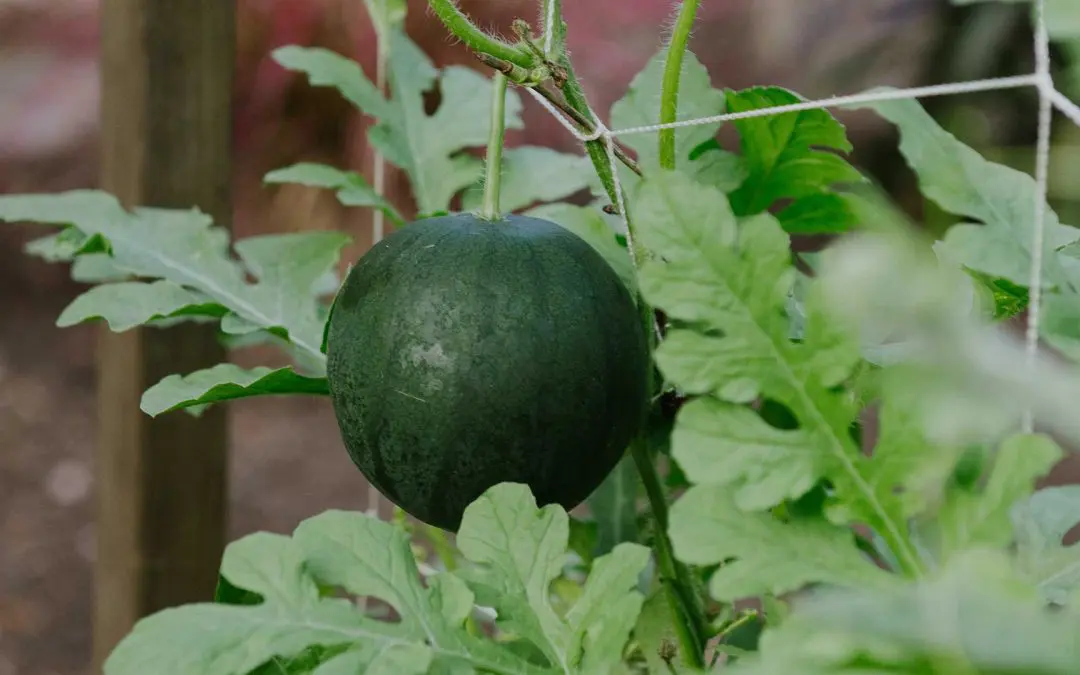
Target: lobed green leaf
{"points": [[793, 156], [518, 550], [1041, 523], [230, 640], [766, 554], [533, 174], [129, 304], [225, 382], [998, 199], [405, 134], [728, 283], [352, 188], [184, 248], [289, 623], [972, 618], [971, 518]]}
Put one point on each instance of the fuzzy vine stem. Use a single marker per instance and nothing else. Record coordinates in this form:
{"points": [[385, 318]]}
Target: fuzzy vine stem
{"points": [[575, 98], [586, 126], [493, 171], [691, 626], [477, 40], [669, 93], [685, 607], [554, 30]]}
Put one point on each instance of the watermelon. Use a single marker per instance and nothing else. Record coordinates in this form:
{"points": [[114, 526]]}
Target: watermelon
{"points": [[463, 353]]}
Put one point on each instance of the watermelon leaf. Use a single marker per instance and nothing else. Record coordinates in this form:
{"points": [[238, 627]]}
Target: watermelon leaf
{"points": [[1041, 523], [793, 156], [184, 248], [770, 556], [511, 545], [325, 68], [997, 200], [128, 304], [518, 550], [225, 382], [158, 266], [972, 518], [533, 174], [405, 134], [352, 188], [218, 639], [974, 616], [727, 282], [697, 153]]}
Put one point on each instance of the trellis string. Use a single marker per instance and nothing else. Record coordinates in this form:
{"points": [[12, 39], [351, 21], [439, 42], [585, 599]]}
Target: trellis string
{"points": [[1049, 99], [1042, 170], [1065, 106]]}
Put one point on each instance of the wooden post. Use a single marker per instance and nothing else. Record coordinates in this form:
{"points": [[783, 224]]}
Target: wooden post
{"points": [[167, 76]]}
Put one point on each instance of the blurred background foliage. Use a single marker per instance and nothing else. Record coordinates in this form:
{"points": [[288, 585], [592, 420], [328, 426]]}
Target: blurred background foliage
{"points": [[287, 460]]}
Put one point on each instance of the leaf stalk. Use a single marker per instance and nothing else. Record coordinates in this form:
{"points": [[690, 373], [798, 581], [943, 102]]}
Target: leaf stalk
{"points": [[554, 30], [669, 94]]}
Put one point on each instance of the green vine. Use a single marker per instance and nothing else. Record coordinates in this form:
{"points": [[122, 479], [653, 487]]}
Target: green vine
{"points": [[575, 98], [477, 40], [690, 623], [554, 30], [669, 95]]}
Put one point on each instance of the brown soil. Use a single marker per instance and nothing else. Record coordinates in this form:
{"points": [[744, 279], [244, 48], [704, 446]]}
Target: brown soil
{"points": [[287, 464]]}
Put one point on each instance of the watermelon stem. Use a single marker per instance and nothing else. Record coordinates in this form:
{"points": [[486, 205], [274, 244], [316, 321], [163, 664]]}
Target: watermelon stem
{"points": [[554, 30], [493, 176], [477, 40], [669, 92], [575, 98], [691, 626]]}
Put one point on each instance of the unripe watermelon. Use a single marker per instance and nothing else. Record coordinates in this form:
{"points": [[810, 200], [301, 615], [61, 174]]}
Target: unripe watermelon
{"points": [[463, 353]]}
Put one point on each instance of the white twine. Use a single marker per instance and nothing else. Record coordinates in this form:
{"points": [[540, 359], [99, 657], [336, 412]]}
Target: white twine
{"points": [[1042, 169], [1065, 106], [602, 132], [993, 84], [1049, 98]]}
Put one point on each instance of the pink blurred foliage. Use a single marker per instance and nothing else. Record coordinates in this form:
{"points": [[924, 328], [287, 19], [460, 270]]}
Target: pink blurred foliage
{"points": [[49, 82]]}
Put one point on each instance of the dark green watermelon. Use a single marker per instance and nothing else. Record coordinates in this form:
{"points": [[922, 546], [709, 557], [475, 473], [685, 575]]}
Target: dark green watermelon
{"points": [[463, 353]]}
